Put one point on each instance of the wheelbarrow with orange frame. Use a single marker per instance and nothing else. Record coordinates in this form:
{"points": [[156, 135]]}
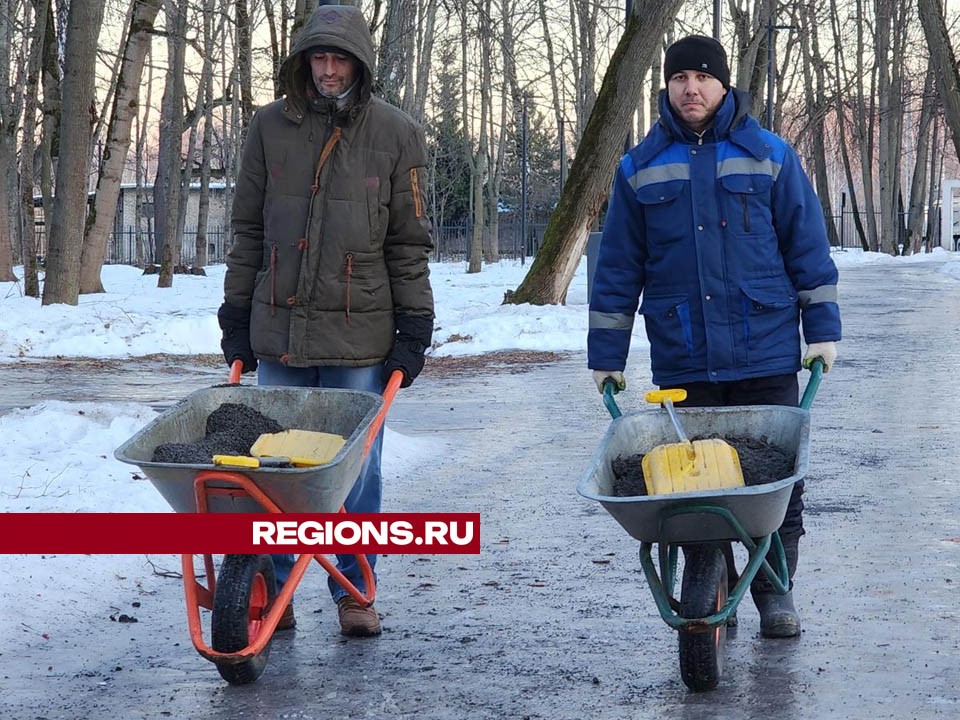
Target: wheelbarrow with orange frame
{"points": [[245, 606]]}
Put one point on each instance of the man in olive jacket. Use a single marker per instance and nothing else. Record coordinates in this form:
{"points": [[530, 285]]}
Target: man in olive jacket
{"points": [[327, 283]]}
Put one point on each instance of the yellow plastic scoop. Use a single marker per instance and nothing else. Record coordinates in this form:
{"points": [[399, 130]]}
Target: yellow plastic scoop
{"points": [[688, 466], [302, 447]]}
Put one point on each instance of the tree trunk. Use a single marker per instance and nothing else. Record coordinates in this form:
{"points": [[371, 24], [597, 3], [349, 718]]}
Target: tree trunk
{"points": [[206, 150], [424, 58], [62, 284], [816, 104], [589, 182], [918, 184], [842, 126], [167, 190], [52, 103], [143, 242], [10, 110], [395, 56], [944, 59], [126, 104], [886, 47], [583, 19], [750, 42], [933, 194], [244, 64], [31, 280], [480, 175], [863, 130]]}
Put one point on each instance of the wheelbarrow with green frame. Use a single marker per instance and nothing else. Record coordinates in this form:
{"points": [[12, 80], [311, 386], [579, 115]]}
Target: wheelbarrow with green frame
{"points": [[703, 522]]}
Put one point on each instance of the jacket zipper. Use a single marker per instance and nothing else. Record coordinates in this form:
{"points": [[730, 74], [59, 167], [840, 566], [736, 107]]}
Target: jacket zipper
{"points": [[273, 279], [349, 257], [746, 212]]}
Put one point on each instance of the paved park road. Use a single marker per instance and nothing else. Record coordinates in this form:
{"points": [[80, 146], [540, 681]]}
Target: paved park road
{"points": [[553, 618]]}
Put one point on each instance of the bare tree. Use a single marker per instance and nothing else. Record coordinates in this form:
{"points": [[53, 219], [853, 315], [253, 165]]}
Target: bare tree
{"points": [[10, 110], [126, 104], [206, 150], [944, 59], [31, 280], [817, 108], [918, 185], [168, 188], [52, 96], [586, 190], [425, 37], [396, 56], [62, 284], [842, 123]]}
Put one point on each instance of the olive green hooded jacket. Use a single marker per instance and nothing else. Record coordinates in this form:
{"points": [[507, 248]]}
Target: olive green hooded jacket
{"points": [[331, 239]]}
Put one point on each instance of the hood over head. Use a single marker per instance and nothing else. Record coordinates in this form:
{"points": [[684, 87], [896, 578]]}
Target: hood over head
{"points": [[333, 26]]}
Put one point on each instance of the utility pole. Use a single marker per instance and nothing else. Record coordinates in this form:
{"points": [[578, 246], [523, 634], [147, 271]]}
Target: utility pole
{"points": [[716, 20], [523, 179]]}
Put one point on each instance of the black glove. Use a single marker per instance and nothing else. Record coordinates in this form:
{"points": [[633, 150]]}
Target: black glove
{"points": [[414, 333], [235, 323]]}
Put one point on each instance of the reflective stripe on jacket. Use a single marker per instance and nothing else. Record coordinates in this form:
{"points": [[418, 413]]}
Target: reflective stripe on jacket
{"points": [[724, 239]]}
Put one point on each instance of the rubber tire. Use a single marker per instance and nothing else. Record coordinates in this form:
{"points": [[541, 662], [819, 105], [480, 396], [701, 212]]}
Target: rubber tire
{"points": [[703, 592], [246, 587]]}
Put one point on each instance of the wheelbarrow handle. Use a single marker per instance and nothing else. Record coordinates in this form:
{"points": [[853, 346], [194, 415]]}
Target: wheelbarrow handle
{"points": [[389, 393], [236, 368], [813, 384]]}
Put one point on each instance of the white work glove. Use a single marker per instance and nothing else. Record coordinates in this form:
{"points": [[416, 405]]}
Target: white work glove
{"points": [[600, 375], [827, 351]]}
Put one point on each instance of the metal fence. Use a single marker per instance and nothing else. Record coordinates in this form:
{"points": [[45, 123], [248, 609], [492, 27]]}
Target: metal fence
{"points": [[514, 239], [451, 244], [122, 246]]}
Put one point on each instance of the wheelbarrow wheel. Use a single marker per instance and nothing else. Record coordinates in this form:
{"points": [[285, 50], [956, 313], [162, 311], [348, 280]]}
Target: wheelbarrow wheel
{"points": [[703, 592], [246, 586]]}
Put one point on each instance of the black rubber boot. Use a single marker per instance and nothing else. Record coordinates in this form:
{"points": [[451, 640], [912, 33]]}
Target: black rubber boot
{"points": [[778, 616]]}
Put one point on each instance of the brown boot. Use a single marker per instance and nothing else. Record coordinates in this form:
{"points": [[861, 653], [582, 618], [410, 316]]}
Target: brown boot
{"points": [[287, 621], [356, 620]]}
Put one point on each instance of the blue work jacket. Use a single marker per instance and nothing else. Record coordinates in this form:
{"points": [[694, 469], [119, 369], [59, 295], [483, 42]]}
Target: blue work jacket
{"points": [[721, 241]]}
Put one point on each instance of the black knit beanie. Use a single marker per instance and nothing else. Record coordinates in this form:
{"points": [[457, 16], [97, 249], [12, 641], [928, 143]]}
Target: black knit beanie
{"points": [[700, 53], [331, 49]]}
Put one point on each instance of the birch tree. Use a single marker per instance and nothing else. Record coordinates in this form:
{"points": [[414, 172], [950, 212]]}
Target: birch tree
{"points": [[126, 104], [62, 284], [10, 110], [31, 280]]}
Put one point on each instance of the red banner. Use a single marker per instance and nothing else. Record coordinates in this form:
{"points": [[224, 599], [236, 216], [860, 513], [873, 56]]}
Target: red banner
{"points": [[223, 533]]}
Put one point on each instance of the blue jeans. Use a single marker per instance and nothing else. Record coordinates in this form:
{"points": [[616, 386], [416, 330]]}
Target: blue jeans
{"points": [[367, 491]]}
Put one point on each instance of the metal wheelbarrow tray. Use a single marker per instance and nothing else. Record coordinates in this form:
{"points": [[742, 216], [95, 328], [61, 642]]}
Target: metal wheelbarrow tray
{"points": [[317, 489], [760, 509], [246, 605]]}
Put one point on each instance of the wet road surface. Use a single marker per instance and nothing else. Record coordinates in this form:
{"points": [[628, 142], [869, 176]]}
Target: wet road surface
{"points": [[553, 619]]}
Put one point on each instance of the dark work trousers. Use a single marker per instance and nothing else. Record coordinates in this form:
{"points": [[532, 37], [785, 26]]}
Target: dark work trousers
{"points": [[772, 390]]}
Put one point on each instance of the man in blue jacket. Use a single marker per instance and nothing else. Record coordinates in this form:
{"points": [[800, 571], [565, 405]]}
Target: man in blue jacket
{"points": [[714, 230]]}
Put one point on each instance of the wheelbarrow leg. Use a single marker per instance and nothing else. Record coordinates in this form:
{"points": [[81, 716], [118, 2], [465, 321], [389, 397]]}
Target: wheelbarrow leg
{"points": [[732, 577]]}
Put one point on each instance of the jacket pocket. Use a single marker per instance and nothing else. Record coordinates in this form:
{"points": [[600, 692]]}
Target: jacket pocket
{"points": [[746, 203], [770, 318], [365, 282], [663, 210], [669, 329]]}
